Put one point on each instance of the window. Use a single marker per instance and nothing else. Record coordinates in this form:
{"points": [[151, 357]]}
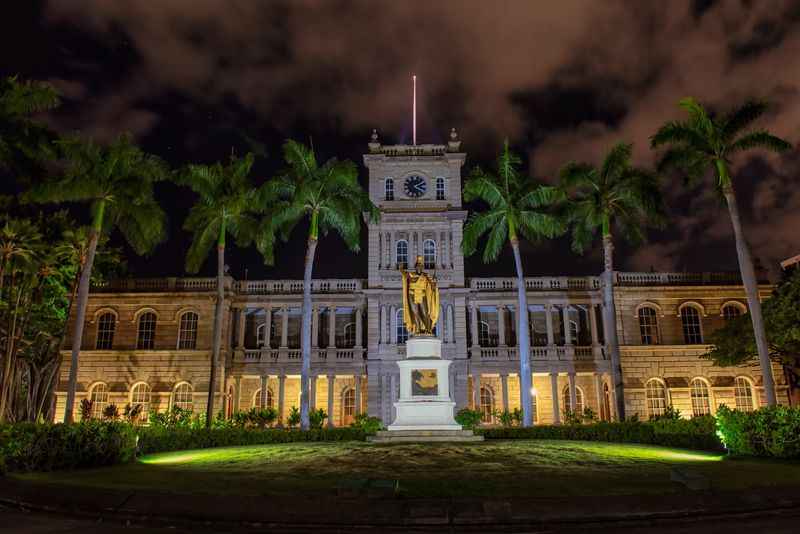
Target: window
{"points": [[401, 254], [731, 311], [429, 253], [487, 405], [744, 394], [260, 331], [182, 397], [692, 334], [701, 401], [140, 394], [401, 331], [440, 188], [348, 406], [105, 331], [567, 404], [484, 339], [349, 336], [534, 408], [187, 335], [389, 189], [648, 326], [656, 396], [257, 399], [147, 331], [99, 398]]}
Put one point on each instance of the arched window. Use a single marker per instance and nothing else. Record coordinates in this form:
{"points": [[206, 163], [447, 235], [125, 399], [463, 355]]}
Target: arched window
{"points": [[484, 338], [701, 399], [260, 331], [187, 334], [99, 397], [567, 401], [429, 253], [140, 394], [257, 399], [656, 397], [183, 396], [401, 254], [388, 188], [692, 331], [348, 406], [744, 394], [440, 188], [146, 336], [731, 311], [402, 333], [487, 404], [349, 335], [106, 327], [648, 326]]}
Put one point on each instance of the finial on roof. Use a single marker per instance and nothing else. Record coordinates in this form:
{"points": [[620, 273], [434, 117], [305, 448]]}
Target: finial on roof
{"points": [[455, 144], [374, 144]]}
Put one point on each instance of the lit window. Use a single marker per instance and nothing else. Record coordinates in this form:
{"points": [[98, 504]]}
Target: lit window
{"points": [[731, 311], [257, 399], [182, 397], [534, 409], [140, 394], [744, 394], [401, 254], [429, 253], [692, 333], [648, 326], [187, 335], [484, 338], [105, 331], [402, 332], [567, 401], [348, 406], [389, 189], [147, 331], [656, 396], [487, 405], [701, 401], [440, 189], [99, 398]]}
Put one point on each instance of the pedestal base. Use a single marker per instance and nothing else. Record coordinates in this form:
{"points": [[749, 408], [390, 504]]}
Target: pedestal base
{"points": [[424, 415], [424, 436]]}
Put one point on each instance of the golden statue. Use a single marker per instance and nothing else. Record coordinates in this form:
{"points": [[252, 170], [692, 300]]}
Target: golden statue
{"points": [[420, 300]]}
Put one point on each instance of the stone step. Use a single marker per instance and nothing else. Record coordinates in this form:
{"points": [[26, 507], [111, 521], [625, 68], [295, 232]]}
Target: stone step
{"points": [[424, 439], [423, 433]]}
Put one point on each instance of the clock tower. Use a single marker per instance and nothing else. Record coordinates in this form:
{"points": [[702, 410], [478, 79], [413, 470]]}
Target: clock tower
{"points": [[418, 191]]}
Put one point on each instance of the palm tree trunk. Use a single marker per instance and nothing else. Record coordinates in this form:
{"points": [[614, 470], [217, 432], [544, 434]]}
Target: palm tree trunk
{"points": [[80, 314], [753, 302], [217, 340], [610, 325], [305, 333], [524, 341]]}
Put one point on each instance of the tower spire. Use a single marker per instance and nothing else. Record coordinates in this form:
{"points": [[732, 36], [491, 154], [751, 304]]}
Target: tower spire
{"points": [[414, 111]]}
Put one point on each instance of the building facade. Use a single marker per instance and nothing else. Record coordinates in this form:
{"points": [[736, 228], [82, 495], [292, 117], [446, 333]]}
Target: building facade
{"points": [[149, 341]]}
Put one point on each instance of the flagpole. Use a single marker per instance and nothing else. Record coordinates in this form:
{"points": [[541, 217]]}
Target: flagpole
{"points": [[415, 109]]}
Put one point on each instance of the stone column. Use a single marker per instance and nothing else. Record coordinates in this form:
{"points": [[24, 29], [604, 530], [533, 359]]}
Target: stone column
{"points": [[281, 396], [284, 327], [331, 382], [573, 393], [315, 326], [359, 335], [504, 383], [501, 325], [267, 327], [476, 390], [613, 401], [548, 317], [237, 391], [393, 395], [331, 327], [242, 323], [567, 331], [312, 394], [473, 309], [263, 394], [593, 324], [554, 393], [357, 380], [393, 325], [450, 325], [598, 393]]}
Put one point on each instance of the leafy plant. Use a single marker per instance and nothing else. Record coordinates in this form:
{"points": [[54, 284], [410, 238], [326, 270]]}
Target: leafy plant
{"points": [[86, 409], [133, 414], [367, 423], [572, 418], [670, 414], [294, 417], [469, 419], [509, 418], [317, 418], [111, 412], [772, 431]]}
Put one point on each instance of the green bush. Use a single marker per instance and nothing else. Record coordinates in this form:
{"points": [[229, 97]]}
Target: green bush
{"points": [[772, 431], [469, 419], [294, 417], [316, 418], [367, 424], [47, 447]]}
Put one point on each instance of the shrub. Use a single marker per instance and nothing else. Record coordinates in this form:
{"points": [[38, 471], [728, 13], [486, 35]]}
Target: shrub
{"points": [[294, 417], [316, 418], [86, 409], [507, 418], [133, 414], [47, 447], [670, 414], [111, 412], [367, 424], [469, 419], [772, 431]]}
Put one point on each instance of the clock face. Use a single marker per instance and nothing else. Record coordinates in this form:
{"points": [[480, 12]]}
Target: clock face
{"points": [[415, 186]]}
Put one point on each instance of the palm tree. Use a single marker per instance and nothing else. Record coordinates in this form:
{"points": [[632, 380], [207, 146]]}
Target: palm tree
{"points": [[615, 196], [21, 138], [226, 205], [117, 183], [705, 142], [330, 197], [517, 205]]}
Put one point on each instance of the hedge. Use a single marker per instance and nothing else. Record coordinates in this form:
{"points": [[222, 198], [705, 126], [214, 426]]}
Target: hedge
{"points": [[695, 433], [47, 447], [772, 431]]}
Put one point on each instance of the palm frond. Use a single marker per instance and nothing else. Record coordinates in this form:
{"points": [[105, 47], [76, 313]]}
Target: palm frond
{"points": [[494, 244], [477, 225], [741, 117], [759, 139]]}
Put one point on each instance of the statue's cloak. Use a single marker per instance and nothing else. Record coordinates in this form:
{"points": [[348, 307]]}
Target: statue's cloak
{"points": [[431, 296]]}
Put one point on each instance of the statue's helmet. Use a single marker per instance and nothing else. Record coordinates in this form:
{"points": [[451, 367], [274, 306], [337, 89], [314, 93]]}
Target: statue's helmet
{"points": [[420, 262]]}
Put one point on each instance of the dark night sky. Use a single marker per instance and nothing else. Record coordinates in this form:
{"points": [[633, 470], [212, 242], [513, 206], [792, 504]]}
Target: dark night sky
{"points": [[564, 81]]}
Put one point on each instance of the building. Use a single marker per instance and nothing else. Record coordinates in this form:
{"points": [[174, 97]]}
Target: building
{"points": [[149, 341]]}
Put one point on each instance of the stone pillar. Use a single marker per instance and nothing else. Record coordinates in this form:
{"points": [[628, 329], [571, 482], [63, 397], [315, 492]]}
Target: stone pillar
{"points": [[312, 394], [393, 325], [284, 327], [504, 383], [548, 317], [357, 379], [242, 323], [315, 326], [501, 325], [359, 335], [450, 325], [267, 327], [393, 395], [567, 331], [476, 390], [554, 393], [598, 393], [281, 396], [473, 310], [593, 324], [263, 394], [613, 401], [573, 393], [331, 327], [237, 392], [331, 381]]}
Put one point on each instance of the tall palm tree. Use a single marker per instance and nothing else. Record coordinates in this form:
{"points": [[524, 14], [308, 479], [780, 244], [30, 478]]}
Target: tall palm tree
{"points": [[117, 183], [614, 197], [227, 204], [22, 139], [330, 197], [705, 142], [517, 205]]}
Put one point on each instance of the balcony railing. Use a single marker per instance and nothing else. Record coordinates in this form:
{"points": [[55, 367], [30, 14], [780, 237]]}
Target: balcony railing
{"points": [[267, 287], [542, 283], [295, 356], [550, 353]]}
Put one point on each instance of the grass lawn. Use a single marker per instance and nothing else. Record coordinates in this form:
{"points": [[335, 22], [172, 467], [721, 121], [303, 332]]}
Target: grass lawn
{"points": [[493, 468]]}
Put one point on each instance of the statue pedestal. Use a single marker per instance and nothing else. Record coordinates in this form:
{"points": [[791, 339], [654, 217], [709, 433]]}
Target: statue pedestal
{"points": [[424, 402]]}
